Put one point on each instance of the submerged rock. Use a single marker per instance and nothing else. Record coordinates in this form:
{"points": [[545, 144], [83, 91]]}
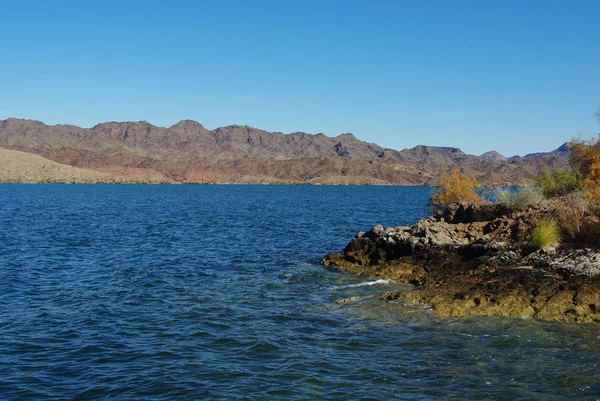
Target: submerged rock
{"points": [[348, 300], [474, 261]]}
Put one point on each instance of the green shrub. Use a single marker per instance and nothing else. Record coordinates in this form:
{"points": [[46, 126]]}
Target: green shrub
{"points": [[546, 233], [521, 199], [559, 182]]}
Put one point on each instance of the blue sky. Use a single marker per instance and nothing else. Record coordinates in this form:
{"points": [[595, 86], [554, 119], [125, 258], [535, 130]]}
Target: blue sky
{"points": [[513, 76]]}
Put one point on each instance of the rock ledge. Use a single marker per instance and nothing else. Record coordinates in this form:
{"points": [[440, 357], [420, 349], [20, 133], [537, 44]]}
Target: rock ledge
{"points": [[475, 260]]}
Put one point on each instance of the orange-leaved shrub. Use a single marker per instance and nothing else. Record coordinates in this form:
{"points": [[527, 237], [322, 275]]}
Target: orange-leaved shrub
{"points": [[585, 158], [455, 187]]}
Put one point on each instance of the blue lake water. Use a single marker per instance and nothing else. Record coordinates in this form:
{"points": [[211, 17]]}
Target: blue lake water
{"points": [[176, 292]]}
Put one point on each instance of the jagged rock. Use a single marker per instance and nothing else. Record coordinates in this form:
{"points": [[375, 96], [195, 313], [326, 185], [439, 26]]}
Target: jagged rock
{"points": [[579, 262], [461, 212], [464, 264]]}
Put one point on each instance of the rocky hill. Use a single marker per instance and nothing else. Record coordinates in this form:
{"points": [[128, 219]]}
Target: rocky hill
{"points": [[492, 155], [188, 152]]}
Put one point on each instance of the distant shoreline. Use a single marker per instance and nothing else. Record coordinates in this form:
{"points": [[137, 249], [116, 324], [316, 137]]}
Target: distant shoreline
{"points": [[206, 184]]}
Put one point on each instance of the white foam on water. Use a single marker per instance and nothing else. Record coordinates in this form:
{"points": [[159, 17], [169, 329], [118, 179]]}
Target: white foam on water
{"points": [[364, 284]]}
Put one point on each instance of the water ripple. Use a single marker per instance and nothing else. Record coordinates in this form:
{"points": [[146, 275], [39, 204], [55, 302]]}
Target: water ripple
{"points": [[208, 292]]}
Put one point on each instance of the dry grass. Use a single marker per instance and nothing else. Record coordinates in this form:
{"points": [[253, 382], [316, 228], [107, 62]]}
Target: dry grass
{"points": [[546, 233], [571, 212]]}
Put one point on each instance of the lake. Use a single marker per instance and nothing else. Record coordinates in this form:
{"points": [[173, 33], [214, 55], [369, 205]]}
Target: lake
{"points": [[177, 292]]}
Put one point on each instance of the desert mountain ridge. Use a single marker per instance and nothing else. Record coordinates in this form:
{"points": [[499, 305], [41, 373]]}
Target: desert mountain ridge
{"points": [[187, 152]]}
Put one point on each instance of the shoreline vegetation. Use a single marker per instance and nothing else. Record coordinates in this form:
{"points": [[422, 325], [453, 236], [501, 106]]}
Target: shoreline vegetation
{"points": [[533, 252]]}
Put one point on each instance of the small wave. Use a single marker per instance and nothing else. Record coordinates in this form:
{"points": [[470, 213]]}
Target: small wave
{"points": [[364, 283]]}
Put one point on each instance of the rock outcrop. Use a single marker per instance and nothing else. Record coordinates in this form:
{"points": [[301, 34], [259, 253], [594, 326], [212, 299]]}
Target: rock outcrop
{"points": [[477, 260]]}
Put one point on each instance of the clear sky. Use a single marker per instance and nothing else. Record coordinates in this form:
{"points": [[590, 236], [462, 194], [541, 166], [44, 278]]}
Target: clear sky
{"points": [[512, 76]]}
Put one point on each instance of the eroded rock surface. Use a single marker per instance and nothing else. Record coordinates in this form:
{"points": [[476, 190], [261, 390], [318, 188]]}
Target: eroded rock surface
{"points": [[477, 260]]}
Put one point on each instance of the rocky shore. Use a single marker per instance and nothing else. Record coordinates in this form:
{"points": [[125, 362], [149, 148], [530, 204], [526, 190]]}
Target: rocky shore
{"points": [[477, 260]]}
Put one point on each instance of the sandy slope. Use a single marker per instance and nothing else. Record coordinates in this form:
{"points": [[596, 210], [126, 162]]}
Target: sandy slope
{"points": [[18, 166]]}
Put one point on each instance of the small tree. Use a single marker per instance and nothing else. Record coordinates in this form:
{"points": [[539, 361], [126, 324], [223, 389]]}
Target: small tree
{"points": [[455, 187]]}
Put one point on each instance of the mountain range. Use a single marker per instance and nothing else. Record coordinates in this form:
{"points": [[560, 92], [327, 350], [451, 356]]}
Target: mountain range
{"points": [[189, 153]]}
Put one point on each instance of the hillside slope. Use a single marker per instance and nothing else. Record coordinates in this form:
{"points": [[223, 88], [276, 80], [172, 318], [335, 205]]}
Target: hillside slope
{"points": [[24, 167], [188, 152]]}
